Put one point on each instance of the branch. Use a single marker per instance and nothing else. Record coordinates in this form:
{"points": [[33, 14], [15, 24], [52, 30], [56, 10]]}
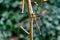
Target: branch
{"points": [[30, 10], [24, 30], [22, 6]]}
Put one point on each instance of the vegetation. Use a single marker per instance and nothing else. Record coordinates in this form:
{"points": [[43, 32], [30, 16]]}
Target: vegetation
{"points": [[30, 19]]}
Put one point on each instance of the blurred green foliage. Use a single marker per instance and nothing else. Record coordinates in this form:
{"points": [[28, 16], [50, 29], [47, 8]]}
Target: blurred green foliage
{"points": [[10, 15]]}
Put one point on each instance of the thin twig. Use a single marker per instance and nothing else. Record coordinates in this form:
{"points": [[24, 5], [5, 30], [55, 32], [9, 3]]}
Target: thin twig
{"points": [[22, 6], [24, 30]]}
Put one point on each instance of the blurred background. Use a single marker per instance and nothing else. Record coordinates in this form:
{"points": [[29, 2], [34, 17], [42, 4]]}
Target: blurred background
{"points": [[47, 14]]}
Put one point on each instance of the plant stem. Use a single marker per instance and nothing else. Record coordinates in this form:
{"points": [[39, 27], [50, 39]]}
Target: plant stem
{"points": [[31, 18], [22, 6], [31, 29], [24, 30]]}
